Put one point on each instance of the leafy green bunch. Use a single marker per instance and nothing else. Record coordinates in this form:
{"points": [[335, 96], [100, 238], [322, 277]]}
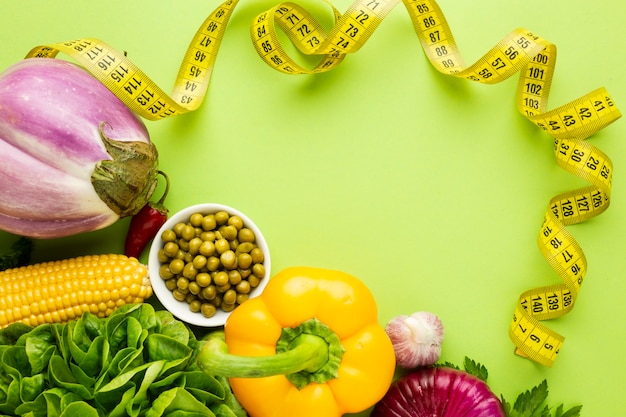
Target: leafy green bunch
{"points": [[136, 362]]}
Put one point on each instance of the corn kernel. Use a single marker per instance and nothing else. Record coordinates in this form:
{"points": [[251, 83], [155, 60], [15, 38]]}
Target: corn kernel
{"points": [[47, 318], [58, 291]]}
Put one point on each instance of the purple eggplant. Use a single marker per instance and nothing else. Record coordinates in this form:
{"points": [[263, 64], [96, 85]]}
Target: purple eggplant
{"points": [[73, 157]]}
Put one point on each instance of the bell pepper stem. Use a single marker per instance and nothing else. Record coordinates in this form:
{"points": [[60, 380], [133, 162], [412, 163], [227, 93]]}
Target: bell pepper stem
{"points": [[310, 352]]}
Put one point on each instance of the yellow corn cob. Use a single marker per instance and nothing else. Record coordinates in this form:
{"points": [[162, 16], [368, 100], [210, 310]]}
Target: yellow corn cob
{"points": [[59, 291]]}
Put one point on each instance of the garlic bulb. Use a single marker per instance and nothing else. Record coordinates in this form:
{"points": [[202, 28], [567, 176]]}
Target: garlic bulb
{"points": [[416, 338]]}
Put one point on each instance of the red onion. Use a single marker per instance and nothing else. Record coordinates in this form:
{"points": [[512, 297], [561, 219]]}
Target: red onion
{"points": [[438, 392], [73, 157]]}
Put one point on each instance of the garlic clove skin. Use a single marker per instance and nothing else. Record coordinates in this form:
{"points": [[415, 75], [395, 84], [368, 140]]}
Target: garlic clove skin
{"points": [[416, 339]]}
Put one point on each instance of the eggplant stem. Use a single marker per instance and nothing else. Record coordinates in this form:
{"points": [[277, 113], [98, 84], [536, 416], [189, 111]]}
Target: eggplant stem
{"points": [[167, 188]]}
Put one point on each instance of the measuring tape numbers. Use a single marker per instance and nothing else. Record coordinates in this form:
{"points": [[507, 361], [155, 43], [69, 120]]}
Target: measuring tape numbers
{"points": [[142, 95], [521, 51]]}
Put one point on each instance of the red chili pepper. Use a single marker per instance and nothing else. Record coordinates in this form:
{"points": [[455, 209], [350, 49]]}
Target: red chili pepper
{"points": [[145, 224]]}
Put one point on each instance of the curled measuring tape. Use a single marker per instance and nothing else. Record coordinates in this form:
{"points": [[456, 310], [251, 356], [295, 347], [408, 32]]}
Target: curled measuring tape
{"points": [[521, 51], [142, 95]]}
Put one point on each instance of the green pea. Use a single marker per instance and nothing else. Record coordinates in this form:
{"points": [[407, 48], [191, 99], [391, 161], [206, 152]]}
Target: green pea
{"points": [[183, 245], [258, 270], [189, 271], [228, 232], [221, 278], [245, 247], [188, 232], [212, 263], [199, 262], [229, 297], [244, 260], [221, 217], [257, 256], [207, 248], [234, 277], [209, 293], [195, 306], [178, 228], [236, 221], [170, 284], [194, 288], [168, 235], [221, 289], [222, 245], [176, 266], [229, 259], [227, 307], [208, 310], [243, 287], [208, 236], [182, 284], [194, 245], [208, 222], [170, 249], [163, 258], [203, 279], [254, 281], [179, 295], [246, 235], [196, 219], [165, 272]]}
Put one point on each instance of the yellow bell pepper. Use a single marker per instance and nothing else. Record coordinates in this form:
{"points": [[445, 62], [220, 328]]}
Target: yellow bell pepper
{"points": [[309, 345]]}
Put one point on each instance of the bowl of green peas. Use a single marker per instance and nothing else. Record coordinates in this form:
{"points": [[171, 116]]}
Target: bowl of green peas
{"points": [[206, 260]]}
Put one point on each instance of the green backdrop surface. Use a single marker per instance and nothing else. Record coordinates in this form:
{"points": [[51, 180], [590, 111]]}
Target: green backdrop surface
{"points": [[430, 189]]}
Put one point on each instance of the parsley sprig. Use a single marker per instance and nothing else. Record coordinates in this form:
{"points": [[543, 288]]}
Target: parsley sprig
{"points": [[530, 403]]}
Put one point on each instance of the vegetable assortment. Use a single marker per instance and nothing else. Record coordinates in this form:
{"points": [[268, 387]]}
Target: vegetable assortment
{"points": [[78, 339], [74, 157], [309, 345], [136, 362]]}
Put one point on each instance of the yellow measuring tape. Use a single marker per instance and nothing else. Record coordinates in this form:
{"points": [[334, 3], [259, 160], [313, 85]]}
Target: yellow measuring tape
{"points": [[521, 51]]}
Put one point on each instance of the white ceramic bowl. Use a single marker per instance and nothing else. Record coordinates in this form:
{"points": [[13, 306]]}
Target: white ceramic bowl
{"points": [[180, 309]]}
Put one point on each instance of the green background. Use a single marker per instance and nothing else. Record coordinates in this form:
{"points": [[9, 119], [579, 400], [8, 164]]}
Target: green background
{"points": [[428, 188]]}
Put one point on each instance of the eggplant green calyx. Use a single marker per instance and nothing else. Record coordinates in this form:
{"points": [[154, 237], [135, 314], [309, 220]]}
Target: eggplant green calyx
{"points": [[308, 353], [126, 182]]}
